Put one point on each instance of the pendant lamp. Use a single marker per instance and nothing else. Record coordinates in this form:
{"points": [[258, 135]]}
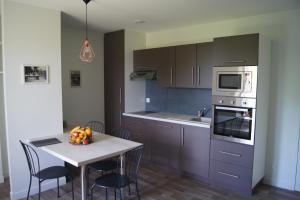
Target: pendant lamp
{"points": [[87, 53]]}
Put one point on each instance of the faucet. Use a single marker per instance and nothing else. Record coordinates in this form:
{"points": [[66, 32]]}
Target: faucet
{"points": [[201, 112]]}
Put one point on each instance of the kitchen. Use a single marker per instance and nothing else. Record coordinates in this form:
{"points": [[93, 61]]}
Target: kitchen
{"points": [[176, 128]]}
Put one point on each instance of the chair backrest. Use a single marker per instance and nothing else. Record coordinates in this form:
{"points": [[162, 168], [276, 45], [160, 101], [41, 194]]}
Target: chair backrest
{"points": [[121, 133], [32, 159], [96, 126], [133, 160]]}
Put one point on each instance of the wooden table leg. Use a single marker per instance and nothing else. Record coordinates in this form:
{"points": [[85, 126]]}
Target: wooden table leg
{"points": [[83, 182]]}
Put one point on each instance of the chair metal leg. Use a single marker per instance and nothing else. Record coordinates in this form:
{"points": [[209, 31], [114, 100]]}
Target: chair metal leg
{"points": [[137, 190], [39, 189], [28, 193], [106, 193], [58, 188], [120, 194], [92, 189], [129, 191], [72, 188], [115, 193], [87, 181]]}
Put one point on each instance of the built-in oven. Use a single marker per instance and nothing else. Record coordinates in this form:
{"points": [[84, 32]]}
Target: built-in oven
{"points": [[238, 81], [234, 119]]}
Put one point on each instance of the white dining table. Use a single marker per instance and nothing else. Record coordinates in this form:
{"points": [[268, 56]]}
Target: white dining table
{"points": [[103, 147]]}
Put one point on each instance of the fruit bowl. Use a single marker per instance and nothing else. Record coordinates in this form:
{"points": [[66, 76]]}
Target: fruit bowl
{"points": [[81, 135]]}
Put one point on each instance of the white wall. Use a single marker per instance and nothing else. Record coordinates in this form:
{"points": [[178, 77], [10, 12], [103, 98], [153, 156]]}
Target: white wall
{"points": [[31, 35], [297, 182], [3, 151], [283, 29], [86, 103], [134, 90]]}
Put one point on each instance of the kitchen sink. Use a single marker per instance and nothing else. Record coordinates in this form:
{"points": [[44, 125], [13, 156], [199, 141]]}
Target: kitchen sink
{"points": [[201, 119]]}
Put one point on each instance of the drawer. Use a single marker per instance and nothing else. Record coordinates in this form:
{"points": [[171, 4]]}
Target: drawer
{"points": [[233, 153], [232, 177]]}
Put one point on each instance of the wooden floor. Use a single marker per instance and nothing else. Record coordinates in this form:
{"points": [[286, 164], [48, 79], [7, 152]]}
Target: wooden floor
{"points": [[160, 184]]}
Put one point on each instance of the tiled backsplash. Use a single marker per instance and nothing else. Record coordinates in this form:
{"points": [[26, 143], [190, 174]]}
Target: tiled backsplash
{"points": [[177, 100]]}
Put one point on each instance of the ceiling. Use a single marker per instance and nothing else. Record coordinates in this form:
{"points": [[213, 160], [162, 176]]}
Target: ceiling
{"points": [[109, 15]]}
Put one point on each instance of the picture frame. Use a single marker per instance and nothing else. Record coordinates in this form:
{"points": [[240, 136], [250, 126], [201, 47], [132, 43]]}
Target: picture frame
{"points": [[75, 78], [35, 74]]}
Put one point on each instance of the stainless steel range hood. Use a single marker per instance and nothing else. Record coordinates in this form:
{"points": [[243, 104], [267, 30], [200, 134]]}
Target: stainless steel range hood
{"points": [[145, 74]]}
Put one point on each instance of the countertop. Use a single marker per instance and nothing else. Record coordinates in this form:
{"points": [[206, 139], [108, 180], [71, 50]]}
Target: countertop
{"points": [[171, 117]]}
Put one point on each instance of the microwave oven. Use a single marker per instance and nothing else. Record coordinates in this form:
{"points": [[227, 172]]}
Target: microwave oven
{"points": [[238, 81]]}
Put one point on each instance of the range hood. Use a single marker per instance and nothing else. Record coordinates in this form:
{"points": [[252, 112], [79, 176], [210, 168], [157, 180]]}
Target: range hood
{"points": [[143, 74]]}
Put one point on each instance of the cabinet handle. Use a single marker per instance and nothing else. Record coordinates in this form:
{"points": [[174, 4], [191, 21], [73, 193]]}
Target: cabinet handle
{"points": [[163, 126], [235, 61], [193, 77], [120, 95], [172, 76], [198, 76], [226, 174], [231, 154], [182, 137]]}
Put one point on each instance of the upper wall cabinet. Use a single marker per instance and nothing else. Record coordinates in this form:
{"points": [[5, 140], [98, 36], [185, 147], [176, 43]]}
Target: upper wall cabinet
{"points": [[186, 66], [236, 50], [194, 65], [204, 64], [160, 59]]}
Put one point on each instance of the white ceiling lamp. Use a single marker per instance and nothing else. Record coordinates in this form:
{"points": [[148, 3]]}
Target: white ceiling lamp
{"points": [[87, 53]]}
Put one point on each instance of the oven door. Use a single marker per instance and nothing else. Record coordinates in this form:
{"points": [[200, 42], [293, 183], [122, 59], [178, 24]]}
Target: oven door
{"points": [[234, 124]]}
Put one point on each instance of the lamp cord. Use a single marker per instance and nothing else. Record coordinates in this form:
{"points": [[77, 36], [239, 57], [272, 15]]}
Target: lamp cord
{"points": [[86, 34]]}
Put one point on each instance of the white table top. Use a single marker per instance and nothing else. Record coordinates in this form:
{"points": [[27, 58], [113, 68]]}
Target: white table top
{"points": [[104, 146]]}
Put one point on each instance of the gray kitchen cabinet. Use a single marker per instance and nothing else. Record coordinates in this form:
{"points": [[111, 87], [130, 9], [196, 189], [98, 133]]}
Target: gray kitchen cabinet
{"points": [[186, 66], [241, 50], [231, 165], [139, 133], [165, 143], [160, 59], [233, 153], [195, 146], [204, 65]]}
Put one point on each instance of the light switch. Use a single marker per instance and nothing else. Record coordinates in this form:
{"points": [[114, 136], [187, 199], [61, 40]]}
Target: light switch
{"points": [[148, 100]]}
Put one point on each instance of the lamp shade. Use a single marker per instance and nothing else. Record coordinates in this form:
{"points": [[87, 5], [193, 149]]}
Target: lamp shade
{"points": [[87, 53]]}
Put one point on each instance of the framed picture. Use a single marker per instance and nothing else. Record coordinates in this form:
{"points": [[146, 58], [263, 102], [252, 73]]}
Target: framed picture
{"points": [[35, 74], [75, 79]]}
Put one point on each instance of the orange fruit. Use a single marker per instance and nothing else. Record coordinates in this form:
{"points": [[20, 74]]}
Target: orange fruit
{"points": [[78, 140], [80, 135]]}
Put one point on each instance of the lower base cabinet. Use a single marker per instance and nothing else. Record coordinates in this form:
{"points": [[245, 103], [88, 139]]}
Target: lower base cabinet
{"points": [[195, 144]]}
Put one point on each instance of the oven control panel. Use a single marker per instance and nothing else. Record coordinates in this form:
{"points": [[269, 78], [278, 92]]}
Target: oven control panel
{"points": [[234, 101]]}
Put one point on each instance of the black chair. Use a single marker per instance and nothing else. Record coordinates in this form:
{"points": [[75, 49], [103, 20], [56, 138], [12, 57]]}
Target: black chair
{"points": [[118, 181], [54, 172], [96, 126], [110, 164]]}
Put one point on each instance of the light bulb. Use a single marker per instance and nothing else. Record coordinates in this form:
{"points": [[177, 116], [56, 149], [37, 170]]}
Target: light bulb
{"points": [[87, 53]]}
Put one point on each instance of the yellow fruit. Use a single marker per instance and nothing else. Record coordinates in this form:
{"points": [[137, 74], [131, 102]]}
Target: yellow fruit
{"points": [[75, 129], [78, 140], [88, 132], [81, 135]]}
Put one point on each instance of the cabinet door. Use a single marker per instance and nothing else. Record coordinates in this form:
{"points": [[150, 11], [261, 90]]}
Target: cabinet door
{"points": [[166, 68], [204, 65], [139, 133], [186, 66], [236, 50], [195, 145], [165, 147], [114, 79], [145, 58]]}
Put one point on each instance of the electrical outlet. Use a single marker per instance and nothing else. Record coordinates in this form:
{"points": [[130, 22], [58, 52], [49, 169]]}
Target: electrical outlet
{"points": [[148, 100]]}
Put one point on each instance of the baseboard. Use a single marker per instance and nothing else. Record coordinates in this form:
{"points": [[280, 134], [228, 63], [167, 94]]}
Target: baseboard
{"points": [[1, 179], [35, 189]]}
